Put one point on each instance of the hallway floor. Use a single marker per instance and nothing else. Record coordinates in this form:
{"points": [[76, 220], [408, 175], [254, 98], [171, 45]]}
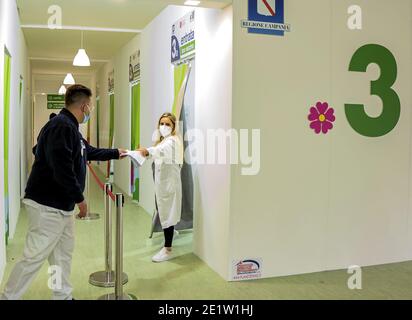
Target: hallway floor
{"points": [[187, 277]]}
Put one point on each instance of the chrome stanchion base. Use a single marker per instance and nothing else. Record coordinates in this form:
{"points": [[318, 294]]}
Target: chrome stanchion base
{"points": [[105, 279], [112, 296], [90, 216]]}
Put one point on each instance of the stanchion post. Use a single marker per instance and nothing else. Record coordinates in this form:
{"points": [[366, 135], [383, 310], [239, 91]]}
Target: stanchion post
{"points": [[118, 294], [106, 278], [108, 228], [119, 246], [89, 216]]}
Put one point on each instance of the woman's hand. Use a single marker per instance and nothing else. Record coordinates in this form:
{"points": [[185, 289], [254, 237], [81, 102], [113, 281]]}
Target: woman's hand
{"points": [[143, 151]]}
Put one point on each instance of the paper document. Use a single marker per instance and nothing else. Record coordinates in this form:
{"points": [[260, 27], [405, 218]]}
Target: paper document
{"points": [[136, 157]]}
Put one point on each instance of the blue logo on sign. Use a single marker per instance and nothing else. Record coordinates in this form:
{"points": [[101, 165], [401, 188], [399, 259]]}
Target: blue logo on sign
{"points": [[175, 49], [266, 17]]}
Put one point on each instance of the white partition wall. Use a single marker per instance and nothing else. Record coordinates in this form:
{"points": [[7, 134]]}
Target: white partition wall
{"points": [[213, 113], [331, 200], [2, 222], [278, 215], [12, 38]]}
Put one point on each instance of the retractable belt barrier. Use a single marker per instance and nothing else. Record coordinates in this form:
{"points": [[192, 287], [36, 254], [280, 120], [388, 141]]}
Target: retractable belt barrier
{"points": [[101, 184]]}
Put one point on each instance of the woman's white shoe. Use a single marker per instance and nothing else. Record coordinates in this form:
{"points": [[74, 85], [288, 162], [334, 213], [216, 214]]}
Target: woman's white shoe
{"points": [[163, 255]]}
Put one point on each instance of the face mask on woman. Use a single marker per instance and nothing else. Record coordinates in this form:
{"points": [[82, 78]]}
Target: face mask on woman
{"points": [[165, 131]]}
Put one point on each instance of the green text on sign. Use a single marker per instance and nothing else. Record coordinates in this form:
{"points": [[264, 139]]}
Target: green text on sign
{"points": [[55, 98], [55, 105], [188, 48]]}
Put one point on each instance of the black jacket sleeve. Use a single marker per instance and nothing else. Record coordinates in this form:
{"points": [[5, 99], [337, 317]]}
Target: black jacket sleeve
{"points": [[97, 154], [59, 155]]}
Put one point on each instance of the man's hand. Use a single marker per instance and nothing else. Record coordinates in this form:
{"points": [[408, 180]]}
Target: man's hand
{"points": [[83, 209], [122, 153]]}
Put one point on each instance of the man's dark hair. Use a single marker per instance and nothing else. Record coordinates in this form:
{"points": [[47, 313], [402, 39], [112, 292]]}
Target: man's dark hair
{"points": [[75, 93]]}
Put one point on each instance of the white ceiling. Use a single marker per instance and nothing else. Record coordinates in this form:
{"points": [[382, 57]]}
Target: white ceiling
{"points": [[51, 83], [127, 14], [53, 45], [64, 44], [62, 67]]}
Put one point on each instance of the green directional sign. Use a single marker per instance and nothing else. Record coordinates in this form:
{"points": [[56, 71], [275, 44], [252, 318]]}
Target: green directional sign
{"points": [[55, 101], [55, 105]]}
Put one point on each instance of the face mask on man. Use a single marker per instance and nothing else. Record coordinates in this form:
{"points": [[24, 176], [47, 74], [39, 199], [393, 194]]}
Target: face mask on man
{"points": [[165, 131], [86, 116]]}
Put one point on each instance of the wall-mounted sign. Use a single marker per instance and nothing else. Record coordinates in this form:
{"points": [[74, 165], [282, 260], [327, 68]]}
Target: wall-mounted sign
{"points": [[183, 39], [134, 67], [110, 83], [266, 17], [55, 101]]}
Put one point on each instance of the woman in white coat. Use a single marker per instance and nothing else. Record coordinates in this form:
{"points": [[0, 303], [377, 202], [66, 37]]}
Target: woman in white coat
{"points": [[167, 154]]}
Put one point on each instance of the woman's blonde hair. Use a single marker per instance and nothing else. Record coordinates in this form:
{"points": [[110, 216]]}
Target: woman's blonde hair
{"points": [[172, 118]]}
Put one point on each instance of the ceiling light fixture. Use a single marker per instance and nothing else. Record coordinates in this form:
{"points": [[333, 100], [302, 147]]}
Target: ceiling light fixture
{"points": [[62, 90], [69, 80], [81, 59], [192, 3]]}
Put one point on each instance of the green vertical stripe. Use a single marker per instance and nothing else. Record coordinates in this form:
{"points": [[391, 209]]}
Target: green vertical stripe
{"points": [[135, 116], [7, 73], [21, 110], [7, 66], [135, 137], [179, 76], [111, 128]]}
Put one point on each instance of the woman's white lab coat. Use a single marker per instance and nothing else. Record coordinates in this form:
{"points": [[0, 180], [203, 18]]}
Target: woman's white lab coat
{"points": [[168, 160]]}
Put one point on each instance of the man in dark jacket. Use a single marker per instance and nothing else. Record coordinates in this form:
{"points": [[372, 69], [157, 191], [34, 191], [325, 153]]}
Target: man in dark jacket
{"points": [[54, 188]]}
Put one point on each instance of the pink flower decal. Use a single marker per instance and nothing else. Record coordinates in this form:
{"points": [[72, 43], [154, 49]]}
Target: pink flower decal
{"points": [[321, 117]]}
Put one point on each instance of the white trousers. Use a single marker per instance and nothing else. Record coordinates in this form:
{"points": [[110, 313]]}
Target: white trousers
{"points": [[50, 236]]}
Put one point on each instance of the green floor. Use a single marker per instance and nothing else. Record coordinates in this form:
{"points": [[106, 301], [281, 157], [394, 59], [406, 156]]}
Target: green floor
{"points": [[187, 277]]}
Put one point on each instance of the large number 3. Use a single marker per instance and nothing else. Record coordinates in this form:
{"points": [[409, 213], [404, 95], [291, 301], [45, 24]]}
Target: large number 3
{"points": [[391, 110]]}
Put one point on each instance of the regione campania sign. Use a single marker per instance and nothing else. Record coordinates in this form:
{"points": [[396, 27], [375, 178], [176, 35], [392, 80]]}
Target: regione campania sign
{"points": [[266, 17]]}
